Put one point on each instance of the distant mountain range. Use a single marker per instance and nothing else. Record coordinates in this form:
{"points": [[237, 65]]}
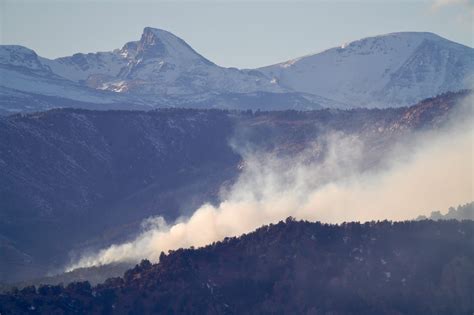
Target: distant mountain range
{"points": [[161, 70]]}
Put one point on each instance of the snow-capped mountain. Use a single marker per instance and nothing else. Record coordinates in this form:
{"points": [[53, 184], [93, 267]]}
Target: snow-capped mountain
{"points": [[159, 63], [27, 83], [160, 69], [388, 70]]}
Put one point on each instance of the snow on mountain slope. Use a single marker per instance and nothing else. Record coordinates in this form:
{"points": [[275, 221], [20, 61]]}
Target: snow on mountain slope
{"points": [[19, 56], [23, 71], [160, 69], [79, 67], [389, 70], [159, 63], [51, 86]]}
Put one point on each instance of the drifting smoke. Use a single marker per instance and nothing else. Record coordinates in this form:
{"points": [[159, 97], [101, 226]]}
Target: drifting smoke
{"points": [[434, 171]]}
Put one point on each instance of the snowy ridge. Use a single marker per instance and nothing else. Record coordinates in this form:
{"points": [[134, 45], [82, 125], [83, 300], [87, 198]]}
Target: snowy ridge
{"points": [[388, 70], [19, 56], [80, 67], [161, 69]]}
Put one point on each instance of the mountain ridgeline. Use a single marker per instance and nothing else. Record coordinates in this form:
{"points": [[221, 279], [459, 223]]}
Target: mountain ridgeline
{"points": [[73, 180], [416, 267], [161, 70]]}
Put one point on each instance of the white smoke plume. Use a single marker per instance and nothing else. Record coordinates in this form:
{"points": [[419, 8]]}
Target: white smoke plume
{"points": [[434, 171]]}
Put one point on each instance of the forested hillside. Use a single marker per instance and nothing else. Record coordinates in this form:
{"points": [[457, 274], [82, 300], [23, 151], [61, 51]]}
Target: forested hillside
{"points": [[416, 267], [76, 179]]}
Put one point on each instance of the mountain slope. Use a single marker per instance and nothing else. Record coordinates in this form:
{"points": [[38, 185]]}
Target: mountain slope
{"points": [[61, 168], [389, 70], [27, 83], [291, 267], [78, 179]]}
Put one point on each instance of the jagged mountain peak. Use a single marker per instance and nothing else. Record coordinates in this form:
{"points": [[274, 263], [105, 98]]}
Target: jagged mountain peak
{"points": [[158, 43]]}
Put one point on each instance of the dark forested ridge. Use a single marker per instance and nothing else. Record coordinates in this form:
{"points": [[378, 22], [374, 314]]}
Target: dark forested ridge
{"points": [[78, 179], [413, 267]]}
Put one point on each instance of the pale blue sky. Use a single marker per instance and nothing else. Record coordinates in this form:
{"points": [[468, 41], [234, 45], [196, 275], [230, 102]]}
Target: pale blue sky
{"points": [[242, 34]]}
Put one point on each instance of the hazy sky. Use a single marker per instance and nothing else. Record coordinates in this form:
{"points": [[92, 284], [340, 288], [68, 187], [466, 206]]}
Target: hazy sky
{"points": [[240, 34]]}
